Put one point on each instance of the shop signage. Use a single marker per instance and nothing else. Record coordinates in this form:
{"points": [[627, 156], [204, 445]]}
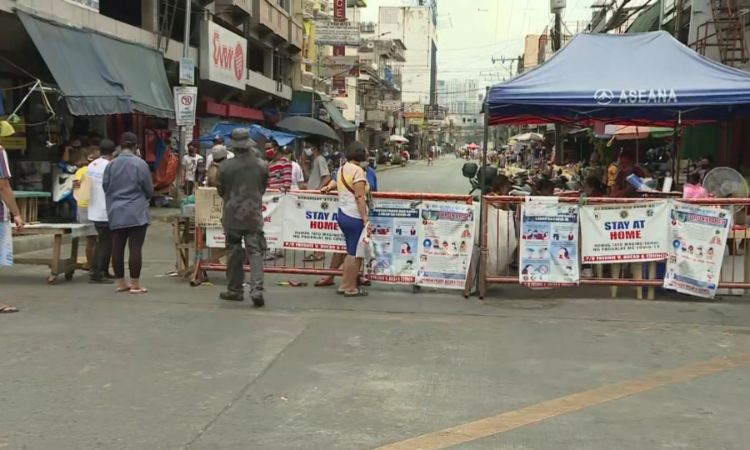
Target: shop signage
{"points": [[187, 71], [92, 5], [223, 56], [337, 33], [339, 65], [185, 100], [390, 105]]}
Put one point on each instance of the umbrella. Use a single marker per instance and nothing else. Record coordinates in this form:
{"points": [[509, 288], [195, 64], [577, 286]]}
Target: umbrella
{"points": [[472, 146], [528, 137], [628, 133], [309, 126], [397, 138]]}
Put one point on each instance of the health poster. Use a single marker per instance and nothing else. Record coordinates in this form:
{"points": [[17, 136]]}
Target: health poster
{"points": [[394, 228], [273, 222], [632, 232], [699, 236], [549, 244], [311, 223], [445, 244]]}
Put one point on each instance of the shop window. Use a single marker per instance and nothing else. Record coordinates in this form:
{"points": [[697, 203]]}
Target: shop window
{"points": [[128, 12]]}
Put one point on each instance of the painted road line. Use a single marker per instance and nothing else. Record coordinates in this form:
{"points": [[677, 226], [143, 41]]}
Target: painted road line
{"points": [[547, 410]]}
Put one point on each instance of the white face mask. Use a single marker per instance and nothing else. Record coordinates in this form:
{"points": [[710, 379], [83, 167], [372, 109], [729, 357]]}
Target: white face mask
{"points": [[308, 151]]}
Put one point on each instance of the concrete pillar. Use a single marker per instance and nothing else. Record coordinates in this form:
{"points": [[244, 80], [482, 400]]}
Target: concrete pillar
{"points": [[150, 15]]}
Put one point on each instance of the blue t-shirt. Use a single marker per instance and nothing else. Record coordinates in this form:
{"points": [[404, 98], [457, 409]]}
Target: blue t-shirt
{"points": [[372, 179]]}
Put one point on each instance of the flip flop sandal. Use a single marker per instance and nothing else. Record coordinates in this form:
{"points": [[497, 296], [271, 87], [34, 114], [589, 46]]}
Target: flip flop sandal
{"points": [[324, 283], [7, 309], [123, 289], [359, 293], [340, 292], [136, 291]]}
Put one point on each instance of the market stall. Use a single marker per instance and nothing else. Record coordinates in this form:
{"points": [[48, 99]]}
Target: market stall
{"points": [[642, 80]]}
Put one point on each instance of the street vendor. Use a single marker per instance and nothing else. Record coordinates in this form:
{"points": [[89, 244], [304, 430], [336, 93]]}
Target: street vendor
{"points": [[627, 167]]}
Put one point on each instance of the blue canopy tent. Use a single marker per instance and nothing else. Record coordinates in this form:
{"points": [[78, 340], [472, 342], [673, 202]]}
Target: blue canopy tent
{"points": [[636, 79], [257, 132]]}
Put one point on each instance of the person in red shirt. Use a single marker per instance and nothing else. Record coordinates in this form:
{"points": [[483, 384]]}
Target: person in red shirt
{"points": [[622, 187], [279, 168]]}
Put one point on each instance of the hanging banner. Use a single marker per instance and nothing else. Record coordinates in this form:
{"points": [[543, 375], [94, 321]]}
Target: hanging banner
{"points": [[549, 243], [311, 223], [273, 218], [395, 235], [445, 244], [632, 232], [699, 236]]}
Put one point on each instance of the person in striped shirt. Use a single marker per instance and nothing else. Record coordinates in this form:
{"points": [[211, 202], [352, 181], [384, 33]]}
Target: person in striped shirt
{"points": [[8, 206], [279, 168]]}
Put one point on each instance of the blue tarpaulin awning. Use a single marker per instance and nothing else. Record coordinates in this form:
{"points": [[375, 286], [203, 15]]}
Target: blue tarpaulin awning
{"points": [[257, 132], [100, 75], [302, 103], [633, 79]]}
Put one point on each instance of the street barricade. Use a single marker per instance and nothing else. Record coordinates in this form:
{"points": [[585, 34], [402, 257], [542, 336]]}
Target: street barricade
{"points": [[698, 246], [419, 239]]}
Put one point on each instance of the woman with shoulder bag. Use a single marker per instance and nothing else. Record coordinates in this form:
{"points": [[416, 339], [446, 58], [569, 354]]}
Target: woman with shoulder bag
{"points": [[353, 191]]}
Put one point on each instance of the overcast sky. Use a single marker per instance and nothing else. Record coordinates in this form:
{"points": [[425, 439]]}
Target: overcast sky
{"points": [[471, 32]]}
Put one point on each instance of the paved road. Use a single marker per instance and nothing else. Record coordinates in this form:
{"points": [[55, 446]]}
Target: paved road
{"points": [[84, 368], [444, 177]]}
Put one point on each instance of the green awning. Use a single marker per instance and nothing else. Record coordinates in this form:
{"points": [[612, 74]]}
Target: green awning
{"points": [[647, 20], [100, 75], [338, 118]]}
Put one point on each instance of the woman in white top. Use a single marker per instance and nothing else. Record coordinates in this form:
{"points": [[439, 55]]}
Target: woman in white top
{"points": [[352, 189]]}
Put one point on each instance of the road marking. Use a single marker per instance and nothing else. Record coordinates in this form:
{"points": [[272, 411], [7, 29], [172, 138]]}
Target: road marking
{"points": [[511, 420]]}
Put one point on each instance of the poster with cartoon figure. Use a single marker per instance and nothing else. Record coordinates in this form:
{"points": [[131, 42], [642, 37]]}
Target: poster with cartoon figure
{"points": [[698, 235], [445, 244], [395, 229], [549, 244]]}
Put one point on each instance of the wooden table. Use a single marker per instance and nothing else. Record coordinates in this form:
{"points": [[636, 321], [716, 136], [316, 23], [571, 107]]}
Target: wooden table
{"points": [[28, 203], [57, 265]]}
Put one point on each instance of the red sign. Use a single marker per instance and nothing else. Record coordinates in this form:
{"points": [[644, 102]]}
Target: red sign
{"points": [[339, 10]]}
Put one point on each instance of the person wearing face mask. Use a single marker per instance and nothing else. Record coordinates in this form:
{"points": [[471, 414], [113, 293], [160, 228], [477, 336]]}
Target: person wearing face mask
{"points": [[704, 166], [319, 173]]}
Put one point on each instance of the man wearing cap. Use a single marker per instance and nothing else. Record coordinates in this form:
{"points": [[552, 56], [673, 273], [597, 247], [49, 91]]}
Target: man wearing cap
{"points": [[220, 149], [8, 206], [216, 157], [242, 183], [97, 213]]}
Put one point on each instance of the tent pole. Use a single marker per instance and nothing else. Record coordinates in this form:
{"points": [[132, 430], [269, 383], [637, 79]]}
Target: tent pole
{"points": [[676, 150], [637, 146]]}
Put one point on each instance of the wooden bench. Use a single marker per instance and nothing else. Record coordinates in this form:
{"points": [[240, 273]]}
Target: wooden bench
{"points": [[57, 264]]}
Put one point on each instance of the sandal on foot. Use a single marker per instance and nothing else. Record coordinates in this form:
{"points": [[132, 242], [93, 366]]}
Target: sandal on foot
{"points": [[7, 309], [324, 282], [123, 289], [357, 293], [138, 290]]}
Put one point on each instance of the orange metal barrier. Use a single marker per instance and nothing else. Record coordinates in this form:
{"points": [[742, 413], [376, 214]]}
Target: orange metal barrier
{"points": [[497, 258], [293, 262]]}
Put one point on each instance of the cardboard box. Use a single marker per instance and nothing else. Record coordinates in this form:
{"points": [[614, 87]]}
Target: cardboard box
{"points": [[208, 207]]}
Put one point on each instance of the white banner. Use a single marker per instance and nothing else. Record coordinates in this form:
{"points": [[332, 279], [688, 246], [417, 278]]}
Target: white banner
{"points": [[223, 55], [273, 223], [331, 66], [699, 237], [445, 246], [549, 244], [337, 33], [92, 5], [632, 232], [311, 223], [395, 235]]}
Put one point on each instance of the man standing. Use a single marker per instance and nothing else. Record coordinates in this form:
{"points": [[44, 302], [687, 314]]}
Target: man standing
{"points": [[242, 183], [97, 213], [279, 168], [320, 176], [190, 163], [8, 206]]}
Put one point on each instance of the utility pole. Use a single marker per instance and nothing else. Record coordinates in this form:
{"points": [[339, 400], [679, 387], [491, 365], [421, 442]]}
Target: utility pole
{"points": [[556, 46], [181, 136]]}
